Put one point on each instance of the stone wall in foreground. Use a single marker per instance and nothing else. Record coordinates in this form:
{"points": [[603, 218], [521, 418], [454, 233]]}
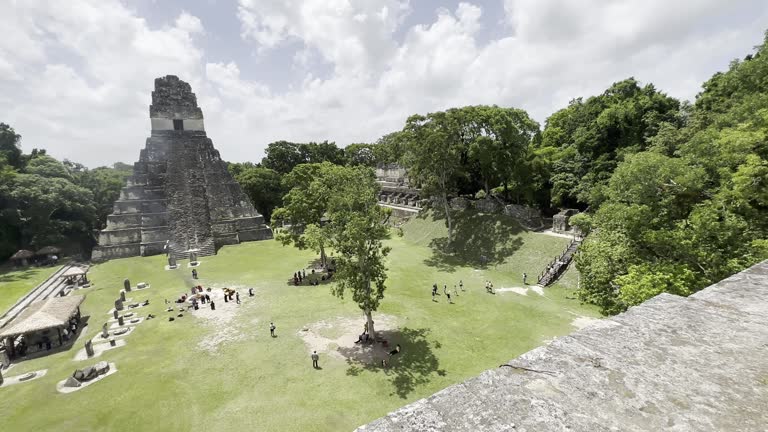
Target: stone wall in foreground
{"points": [[670, 364]]}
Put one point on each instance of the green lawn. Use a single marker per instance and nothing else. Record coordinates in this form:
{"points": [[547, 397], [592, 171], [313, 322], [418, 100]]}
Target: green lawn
{"points": [[166, 382], [15, 283]]}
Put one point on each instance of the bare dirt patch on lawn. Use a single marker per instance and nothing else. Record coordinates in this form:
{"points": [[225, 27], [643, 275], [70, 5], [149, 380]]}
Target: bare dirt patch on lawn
{"points": [[224, 328], [336, 337]]}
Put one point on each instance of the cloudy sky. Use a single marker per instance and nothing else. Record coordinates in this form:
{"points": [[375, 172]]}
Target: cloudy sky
{"points": [[76, 75]]}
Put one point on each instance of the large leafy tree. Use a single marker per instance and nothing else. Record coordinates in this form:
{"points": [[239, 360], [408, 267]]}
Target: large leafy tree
{"points": [[104, 183], [360, 154], [446, 150], [357, 229], [589, 138], [283, 156], [691, 209], [434, 151], [304, 205], [10, 151], [497, 141], [333, 206], [262, 185]]}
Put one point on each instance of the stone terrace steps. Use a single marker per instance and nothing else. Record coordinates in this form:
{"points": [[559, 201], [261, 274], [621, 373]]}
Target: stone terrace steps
{"points": [[558, 266], [208, 248]]}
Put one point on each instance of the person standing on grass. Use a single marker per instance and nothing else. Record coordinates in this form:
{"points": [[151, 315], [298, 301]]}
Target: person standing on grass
{"points": [[250, 292], [272, 329], [455, 291], [434, 292], [315, 358], [461, 284], [237, 297], [525, 279]]}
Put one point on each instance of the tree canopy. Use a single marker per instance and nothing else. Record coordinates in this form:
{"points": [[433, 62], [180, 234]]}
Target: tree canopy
{"points": [[689, 208]]}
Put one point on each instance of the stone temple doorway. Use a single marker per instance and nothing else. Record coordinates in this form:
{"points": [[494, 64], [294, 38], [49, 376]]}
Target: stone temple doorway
{"points": [[178, 124]]}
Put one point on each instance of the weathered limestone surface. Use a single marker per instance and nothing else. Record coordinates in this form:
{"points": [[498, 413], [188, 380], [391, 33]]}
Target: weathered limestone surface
{"points": [[180, 190], [396, 191], [671, 364]]}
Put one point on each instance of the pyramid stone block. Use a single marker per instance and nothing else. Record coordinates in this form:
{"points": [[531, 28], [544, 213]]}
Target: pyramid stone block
{"points": [[180, 193]]}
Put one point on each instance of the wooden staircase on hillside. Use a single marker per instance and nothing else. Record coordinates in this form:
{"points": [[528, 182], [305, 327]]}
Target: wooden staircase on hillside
{"points": [[557, 267]]}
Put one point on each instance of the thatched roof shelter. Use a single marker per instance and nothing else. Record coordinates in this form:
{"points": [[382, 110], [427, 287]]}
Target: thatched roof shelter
{"points": [[73, 271], [43, 315], [48, 250], [22, 254]]}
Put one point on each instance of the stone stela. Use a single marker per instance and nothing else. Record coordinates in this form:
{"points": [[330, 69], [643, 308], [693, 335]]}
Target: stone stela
{"points": [[180, 194]]}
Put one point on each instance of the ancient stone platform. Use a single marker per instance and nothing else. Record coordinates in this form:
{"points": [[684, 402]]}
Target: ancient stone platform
{"points": [[685, 364], [180, 191]]}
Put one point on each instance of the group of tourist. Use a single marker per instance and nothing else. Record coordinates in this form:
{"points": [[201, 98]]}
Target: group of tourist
{"points": [[301, 275], [446, 291]]}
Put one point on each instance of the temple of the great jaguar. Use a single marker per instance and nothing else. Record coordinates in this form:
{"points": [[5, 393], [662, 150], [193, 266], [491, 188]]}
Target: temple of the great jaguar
{"points": [[180, 195]]}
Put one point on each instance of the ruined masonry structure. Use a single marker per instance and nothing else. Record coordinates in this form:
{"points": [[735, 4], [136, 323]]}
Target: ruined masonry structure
{"points": [[180, 190]]}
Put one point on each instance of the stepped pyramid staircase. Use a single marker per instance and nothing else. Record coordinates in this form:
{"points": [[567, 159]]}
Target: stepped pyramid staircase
{"points": [[557, 267], [205, 248]]}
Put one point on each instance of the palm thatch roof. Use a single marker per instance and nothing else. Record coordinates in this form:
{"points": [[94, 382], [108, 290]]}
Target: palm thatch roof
{"points": [[48, 250], [73, 271], [45, 314], [22, 254]]}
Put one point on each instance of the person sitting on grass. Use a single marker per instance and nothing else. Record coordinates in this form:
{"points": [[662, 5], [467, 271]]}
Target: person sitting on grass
{"points": [[395, 351], [385, 362]]}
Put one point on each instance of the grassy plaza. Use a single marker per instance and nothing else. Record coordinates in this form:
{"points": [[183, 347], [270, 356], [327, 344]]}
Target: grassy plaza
{"points": [[221, 370]]}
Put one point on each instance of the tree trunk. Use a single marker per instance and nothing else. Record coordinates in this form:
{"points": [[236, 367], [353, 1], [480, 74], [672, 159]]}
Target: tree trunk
{"points": [[448, 219], [487, 191], [371, 329], [323, 258]]}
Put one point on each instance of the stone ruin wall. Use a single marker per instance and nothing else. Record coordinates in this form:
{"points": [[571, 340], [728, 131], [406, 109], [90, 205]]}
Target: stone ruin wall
{"points": [[530, 217]]}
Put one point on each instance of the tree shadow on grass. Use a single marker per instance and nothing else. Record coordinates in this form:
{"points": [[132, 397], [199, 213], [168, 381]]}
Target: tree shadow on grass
{"points": [[411, 368], [11, 274], [479, 240]]}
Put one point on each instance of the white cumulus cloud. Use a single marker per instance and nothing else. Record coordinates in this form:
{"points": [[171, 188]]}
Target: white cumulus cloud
{"points": [[76, 76]]}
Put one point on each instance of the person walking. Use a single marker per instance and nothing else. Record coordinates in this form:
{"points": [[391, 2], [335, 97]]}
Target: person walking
{"points": [[194, 273], [272, 329], [237, 297], [250, 292], [455, 291], [525, 279], [315, 358], [461, 284], [434, 293]]}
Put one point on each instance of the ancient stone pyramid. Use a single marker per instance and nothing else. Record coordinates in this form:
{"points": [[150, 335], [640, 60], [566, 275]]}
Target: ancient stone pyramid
{"points": [[180, 193]]}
